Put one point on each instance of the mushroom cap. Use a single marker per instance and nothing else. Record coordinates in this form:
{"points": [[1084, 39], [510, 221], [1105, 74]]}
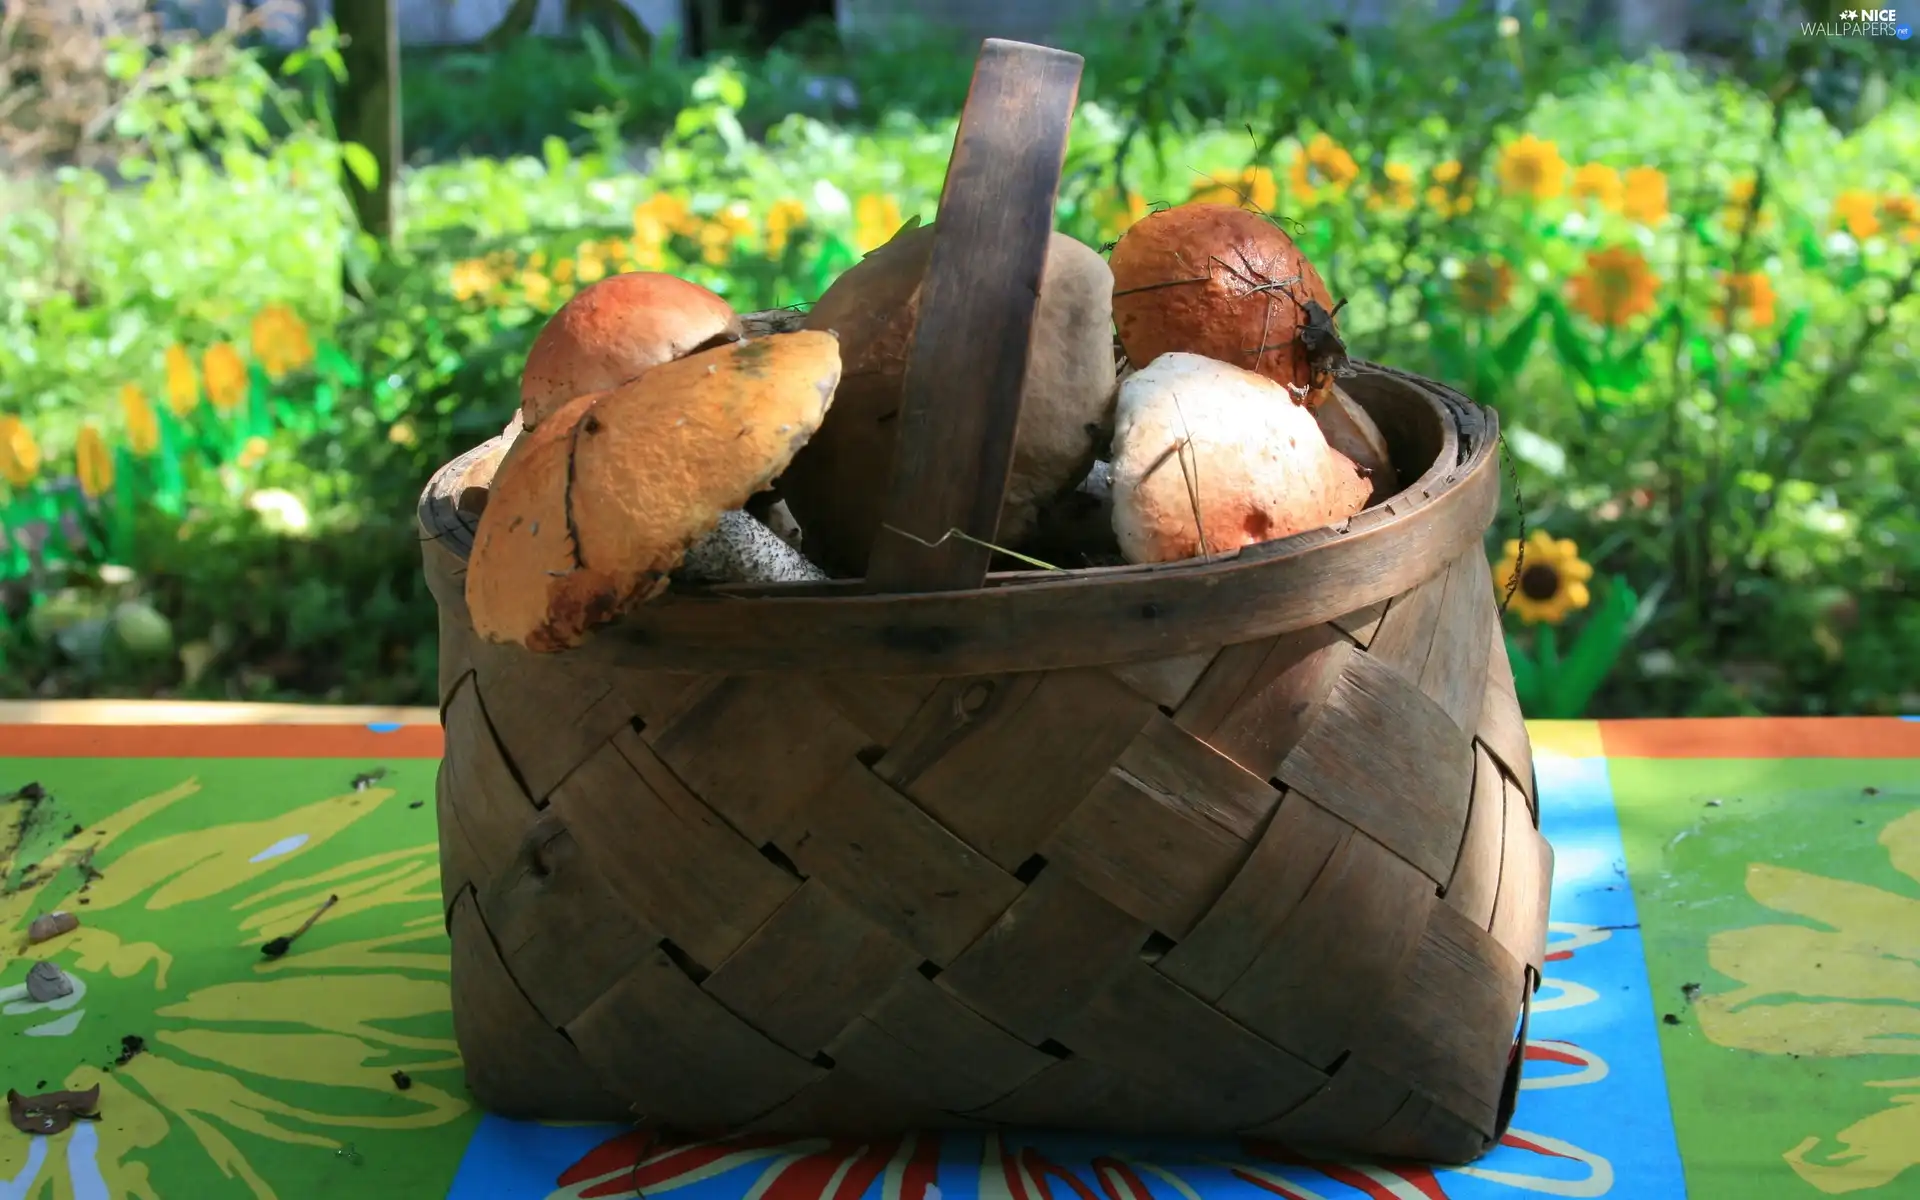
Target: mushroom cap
{"points": [[596, 505], [1219, 281], [837, 487], [615, 330], [1193, 433]]}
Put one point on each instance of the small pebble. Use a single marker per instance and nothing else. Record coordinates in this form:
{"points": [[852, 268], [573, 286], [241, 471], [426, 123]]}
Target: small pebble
{"points": [[402, 1080], [46, 983], [52, 925], [1671, 1019]]}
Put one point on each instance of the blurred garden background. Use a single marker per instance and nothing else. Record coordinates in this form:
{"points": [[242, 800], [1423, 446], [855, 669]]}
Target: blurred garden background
{"points": [[1683, 273]]}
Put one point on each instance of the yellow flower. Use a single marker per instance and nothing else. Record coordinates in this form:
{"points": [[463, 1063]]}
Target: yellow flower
{"points": [[1396, 188], [1855, 211], [1837, 981], [590, 266], [1752, 294], [226, 376], [183, 390], [537, 288], [19, 453], [1901, 212], [93, 463], [876, 218], [1485, 286], [1449, 193], [296, 1054], [1553, 579], [1116, 218], [1645, 198], [562, 272], [1618, 286], [1599, 183], [280, 341], [473, 279], [1322, 169], [1739, 209], [401, 433], [668, 212], [1253, 188], [143, 428], [783, 218], [253, 452], [1533, 168]]}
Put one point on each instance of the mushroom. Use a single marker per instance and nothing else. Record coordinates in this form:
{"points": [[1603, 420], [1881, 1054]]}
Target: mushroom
{"points": [[615, 330], [1353, 433], [599, 502], [837, 486], [1196, 436], [1217, 280]]}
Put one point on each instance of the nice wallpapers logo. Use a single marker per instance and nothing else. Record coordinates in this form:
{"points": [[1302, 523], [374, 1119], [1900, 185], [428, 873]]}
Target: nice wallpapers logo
{"points": [[1860, 22]]}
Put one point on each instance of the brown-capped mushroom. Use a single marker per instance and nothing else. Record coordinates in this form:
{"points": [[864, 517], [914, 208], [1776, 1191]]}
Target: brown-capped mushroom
{"points": [[615, 330], [1217, 280], [837, 486], [599, 503]]}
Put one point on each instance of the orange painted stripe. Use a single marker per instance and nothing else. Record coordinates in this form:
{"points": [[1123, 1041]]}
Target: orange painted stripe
{"points": [[1762, 737], [217, 741]]}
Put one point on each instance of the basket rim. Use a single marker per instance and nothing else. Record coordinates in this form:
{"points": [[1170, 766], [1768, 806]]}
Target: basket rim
{"points": [[1043, 620]]}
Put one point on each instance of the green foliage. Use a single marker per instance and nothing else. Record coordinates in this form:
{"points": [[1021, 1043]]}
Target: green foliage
{"points": [[1741, 485]]}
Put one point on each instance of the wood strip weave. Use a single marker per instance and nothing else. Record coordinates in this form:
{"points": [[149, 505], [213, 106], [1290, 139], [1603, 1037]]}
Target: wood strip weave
{"points": [[1292, 887]]}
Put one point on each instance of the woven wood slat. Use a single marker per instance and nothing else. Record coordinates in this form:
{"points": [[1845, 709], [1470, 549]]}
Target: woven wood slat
{"points": [[1288, 887]]}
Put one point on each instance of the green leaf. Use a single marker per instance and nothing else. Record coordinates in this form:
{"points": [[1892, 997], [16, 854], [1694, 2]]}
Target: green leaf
{"points": [[1595, 651], [1512, 352], [329, 360], [360, 164], [1526, 676], [558, 157], [1789, 344], [1572, 346]]}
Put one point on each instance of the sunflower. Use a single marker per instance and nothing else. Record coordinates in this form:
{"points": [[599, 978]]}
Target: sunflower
{"points": [[1835, 980], [19, 453], [1752, 296], [1857, 212], [876, 218], [1741, 208], [1322, 170], [1901, 213], [226, 376], [1599, 183], [1553, 579], [783, 217], [1533, 168], [1449, 192], [1396, 188], [183, 390], [1617, 286], [1485, 286], [143, 428], [263, 1071], [1644, 195]]}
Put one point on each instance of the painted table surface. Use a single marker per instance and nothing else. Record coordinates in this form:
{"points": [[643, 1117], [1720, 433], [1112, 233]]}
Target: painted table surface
{"points": [[1731, 1009]]}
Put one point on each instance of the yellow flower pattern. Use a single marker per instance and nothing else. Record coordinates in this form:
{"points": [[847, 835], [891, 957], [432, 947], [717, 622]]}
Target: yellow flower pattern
{"points": [[143, 427], [225, 375], [296, 1051], [19, 453], [92, 463], [1842, 981]]}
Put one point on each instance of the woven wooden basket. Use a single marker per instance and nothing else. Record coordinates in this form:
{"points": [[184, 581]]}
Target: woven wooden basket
{"points": [[1242, 845]]}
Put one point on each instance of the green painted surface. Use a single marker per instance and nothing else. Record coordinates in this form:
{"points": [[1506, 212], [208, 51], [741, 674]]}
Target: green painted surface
{"points": [[1794, 904], [259, 1077]]}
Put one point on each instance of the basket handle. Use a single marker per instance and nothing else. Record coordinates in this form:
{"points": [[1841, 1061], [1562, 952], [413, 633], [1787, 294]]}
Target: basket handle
{"points": [[960, 403]]}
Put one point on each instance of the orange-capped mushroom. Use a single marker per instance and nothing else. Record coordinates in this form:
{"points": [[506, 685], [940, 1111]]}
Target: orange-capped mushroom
{"points": [[1219, 281], [614, 331], [600, 502]]}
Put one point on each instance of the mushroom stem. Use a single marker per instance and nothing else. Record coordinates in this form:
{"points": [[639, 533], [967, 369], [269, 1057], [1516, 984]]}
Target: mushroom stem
{"points": [[742, 550]]}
